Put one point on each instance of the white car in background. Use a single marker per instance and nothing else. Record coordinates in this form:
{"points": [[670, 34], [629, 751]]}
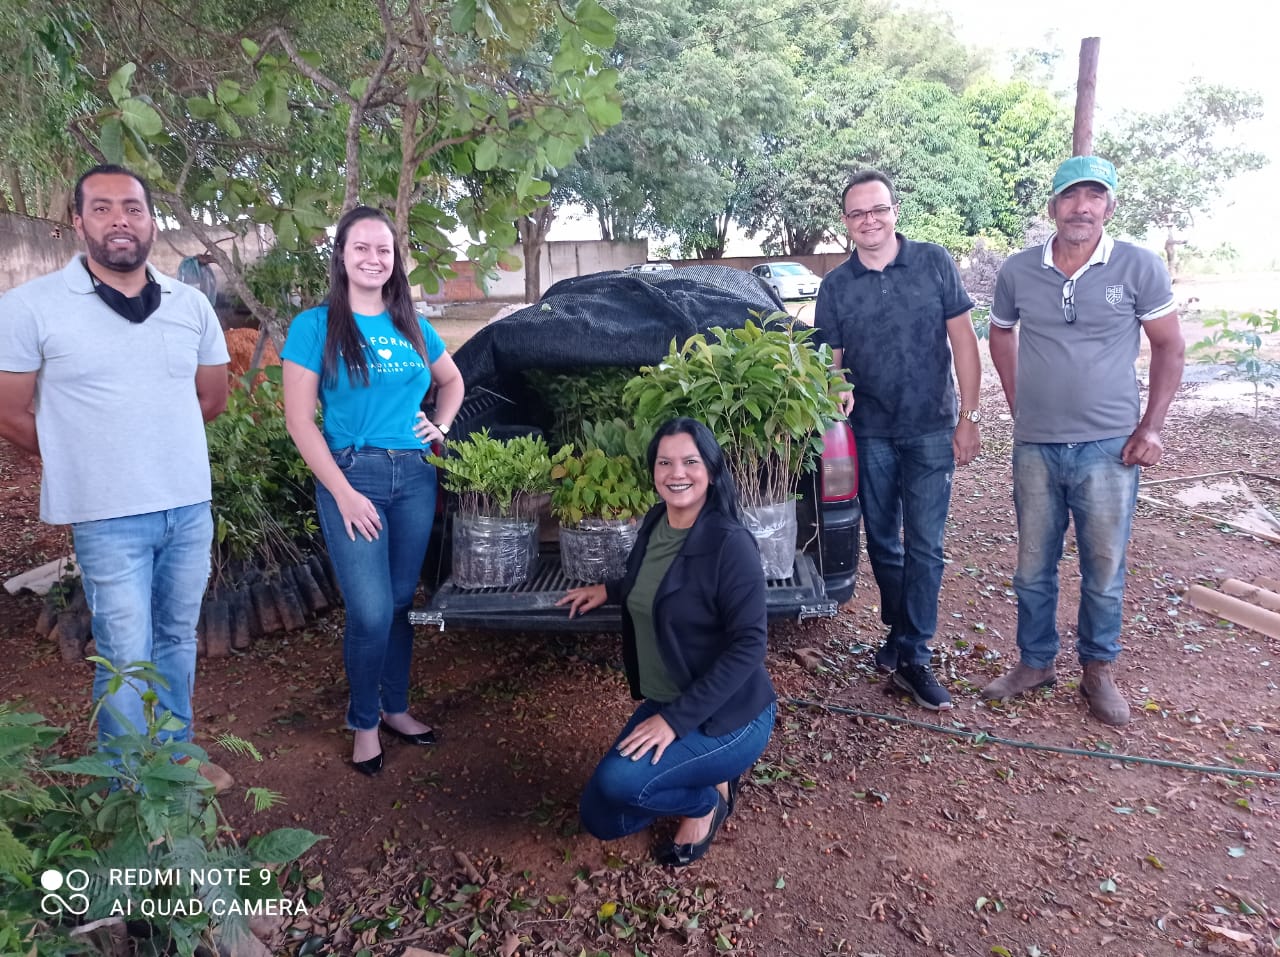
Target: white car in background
{"points": [[789, 280], [648, 267]]}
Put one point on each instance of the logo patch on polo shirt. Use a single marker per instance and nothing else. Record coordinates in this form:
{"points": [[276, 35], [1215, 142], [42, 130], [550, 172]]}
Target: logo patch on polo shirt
{"points": [[1115, 294]]}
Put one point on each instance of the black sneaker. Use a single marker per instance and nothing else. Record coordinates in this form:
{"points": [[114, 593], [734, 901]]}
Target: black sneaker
{"points": [[919, 682]]}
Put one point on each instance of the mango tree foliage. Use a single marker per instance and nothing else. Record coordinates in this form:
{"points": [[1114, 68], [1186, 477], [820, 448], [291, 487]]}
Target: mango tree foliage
{"points": [[287, 113], [1024, 132], [1175, 164], [700, 83], [879, 88], [915, 131]]}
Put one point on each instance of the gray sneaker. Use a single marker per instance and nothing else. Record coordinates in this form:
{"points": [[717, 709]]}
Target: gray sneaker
{"points": [[1021, 679]]}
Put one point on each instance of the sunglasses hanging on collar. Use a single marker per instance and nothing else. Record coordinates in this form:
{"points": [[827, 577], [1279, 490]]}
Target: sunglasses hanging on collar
{"points": [[134, 308]]}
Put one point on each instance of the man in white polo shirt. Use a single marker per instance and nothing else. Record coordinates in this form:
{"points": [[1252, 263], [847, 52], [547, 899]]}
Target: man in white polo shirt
{"points": [[108, 372], [1064, 338]]}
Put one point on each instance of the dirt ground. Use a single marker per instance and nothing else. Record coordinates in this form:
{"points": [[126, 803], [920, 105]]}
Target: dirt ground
{"points": [[869, 827]]}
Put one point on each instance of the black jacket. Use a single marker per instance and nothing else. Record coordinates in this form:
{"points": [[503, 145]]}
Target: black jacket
{"points": [[711, 624]]}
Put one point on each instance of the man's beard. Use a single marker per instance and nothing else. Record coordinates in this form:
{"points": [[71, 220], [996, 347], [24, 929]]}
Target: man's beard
{"points": [[122, 259]]}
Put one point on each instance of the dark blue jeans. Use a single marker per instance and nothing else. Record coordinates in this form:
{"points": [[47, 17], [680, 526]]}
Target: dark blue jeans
{"points": [[904, 487], [625, 796], [378, 578]]}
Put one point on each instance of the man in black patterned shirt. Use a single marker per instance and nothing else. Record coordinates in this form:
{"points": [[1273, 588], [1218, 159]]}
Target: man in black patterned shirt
{"points": [[897, 316]]}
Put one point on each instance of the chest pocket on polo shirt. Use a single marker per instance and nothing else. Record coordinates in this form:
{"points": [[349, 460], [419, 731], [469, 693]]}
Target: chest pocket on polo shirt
{"points": [[181, 353]]}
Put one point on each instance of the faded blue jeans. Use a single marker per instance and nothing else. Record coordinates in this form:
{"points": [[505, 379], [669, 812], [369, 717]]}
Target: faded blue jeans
{"points": [[904, 487], [378, 578], [625, 796], [144, 579], [1084, 482]]}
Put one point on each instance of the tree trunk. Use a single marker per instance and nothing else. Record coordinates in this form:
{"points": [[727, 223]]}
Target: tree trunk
{"points": [[1171, 252], [533, 231]]}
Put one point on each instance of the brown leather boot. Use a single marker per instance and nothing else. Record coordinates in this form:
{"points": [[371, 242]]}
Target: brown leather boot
{"points": [[1106, 701], [1021, 679]]}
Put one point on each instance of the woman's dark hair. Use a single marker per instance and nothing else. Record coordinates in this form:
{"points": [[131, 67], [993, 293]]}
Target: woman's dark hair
{"points": [[343, 338], [722, 494]]}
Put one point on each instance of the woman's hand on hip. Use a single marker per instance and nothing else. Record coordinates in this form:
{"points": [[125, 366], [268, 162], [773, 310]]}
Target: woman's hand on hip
{"points": [[358, 515], [428, 432], [584, 599], [653, 732]]}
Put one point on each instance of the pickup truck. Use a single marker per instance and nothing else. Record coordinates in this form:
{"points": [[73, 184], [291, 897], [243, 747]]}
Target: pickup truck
{"points": [[628, 319]]}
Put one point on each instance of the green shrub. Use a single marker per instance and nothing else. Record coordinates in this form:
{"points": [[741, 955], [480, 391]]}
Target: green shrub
{"points": [[142, 810], [262, 501], [1237, 341], [595, 485], [574, 397], [290, 280], [494, 477], [766, 394]]}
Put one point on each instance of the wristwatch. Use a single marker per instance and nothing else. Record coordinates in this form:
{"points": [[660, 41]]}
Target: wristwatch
{"points": [[973, 415], [444, 429]]}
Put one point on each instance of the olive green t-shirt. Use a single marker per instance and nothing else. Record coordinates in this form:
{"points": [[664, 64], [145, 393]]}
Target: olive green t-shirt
{"points": [[664, 544]]}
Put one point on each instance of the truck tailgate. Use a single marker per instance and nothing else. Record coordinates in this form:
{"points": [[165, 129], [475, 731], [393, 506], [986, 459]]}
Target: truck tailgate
{"points": [[531, 606]]}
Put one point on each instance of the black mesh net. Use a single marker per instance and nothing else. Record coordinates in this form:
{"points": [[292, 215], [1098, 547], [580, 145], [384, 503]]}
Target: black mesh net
{"points": [[613, 319]]}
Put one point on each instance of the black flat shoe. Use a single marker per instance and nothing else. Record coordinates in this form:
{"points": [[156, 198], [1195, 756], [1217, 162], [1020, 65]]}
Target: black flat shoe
{"points": [[422, 738], [672, 854], [369, 767]]}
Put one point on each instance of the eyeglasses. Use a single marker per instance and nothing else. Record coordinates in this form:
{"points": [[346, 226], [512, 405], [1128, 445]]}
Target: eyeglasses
{"points": [[879, 212], [1069, 300]]}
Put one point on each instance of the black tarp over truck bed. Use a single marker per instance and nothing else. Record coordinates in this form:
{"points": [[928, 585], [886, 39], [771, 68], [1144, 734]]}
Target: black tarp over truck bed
{"points": [[609, 319]]}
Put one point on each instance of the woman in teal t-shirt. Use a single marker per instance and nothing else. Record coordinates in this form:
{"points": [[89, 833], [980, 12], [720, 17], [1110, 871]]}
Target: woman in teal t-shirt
{"points": [[367, 359]]}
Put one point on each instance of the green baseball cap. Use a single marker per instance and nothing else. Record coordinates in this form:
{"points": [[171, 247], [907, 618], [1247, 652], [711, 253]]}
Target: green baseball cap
{"points": [[1084, 169]]}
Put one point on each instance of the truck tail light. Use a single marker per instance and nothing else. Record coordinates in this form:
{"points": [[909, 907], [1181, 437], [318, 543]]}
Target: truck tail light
{"points": [[839, 464]]}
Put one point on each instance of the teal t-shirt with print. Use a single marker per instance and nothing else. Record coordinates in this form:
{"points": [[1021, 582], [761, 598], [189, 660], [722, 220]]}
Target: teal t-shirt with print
{"points": [[382, 413]]}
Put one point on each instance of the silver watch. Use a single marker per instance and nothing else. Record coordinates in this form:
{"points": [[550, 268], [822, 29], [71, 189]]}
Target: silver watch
{"points": [[973, 415]]}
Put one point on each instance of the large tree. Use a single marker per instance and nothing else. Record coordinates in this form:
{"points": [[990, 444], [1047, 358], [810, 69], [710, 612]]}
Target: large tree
{"points": [[1024, 132], [284, 113], [698, 90], [880, 88], [1175, 164]]}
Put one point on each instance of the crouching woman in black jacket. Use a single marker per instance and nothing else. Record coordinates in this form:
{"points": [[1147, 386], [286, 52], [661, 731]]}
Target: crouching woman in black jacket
{"points": [[694, 633]]}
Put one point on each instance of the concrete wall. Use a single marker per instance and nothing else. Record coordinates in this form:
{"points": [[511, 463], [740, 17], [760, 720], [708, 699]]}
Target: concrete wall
{"points": [[32, 247], [559, 260]]}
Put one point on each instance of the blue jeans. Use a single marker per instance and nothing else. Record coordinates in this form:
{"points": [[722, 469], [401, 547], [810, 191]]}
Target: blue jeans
{"points": [[904, 486], [144, 579], [1087, 483], [378, 578], [625, 796]]}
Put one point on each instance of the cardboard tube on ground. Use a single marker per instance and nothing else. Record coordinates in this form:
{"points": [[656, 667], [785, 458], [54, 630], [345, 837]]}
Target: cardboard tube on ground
{"points": [[1271, 584], [1253, 594], [1235, 610]]}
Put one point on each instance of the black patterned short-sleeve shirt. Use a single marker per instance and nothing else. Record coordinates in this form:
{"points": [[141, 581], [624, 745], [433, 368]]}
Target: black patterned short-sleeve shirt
{"points": [[892, 326]]}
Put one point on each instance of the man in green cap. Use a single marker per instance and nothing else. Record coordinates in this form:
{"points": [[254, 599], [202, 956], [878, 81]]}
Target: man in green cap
{"points": [[1064, 338]]}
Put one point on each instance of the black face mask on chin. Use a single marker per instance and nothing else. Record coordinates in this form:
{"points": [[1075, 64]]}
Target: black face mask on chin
{"points": [[133, 308]]}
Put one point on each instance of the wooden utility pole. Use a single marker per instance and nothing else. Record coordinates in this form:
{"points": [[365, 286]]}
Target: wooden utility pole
{"points": [[1086, 86]]}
